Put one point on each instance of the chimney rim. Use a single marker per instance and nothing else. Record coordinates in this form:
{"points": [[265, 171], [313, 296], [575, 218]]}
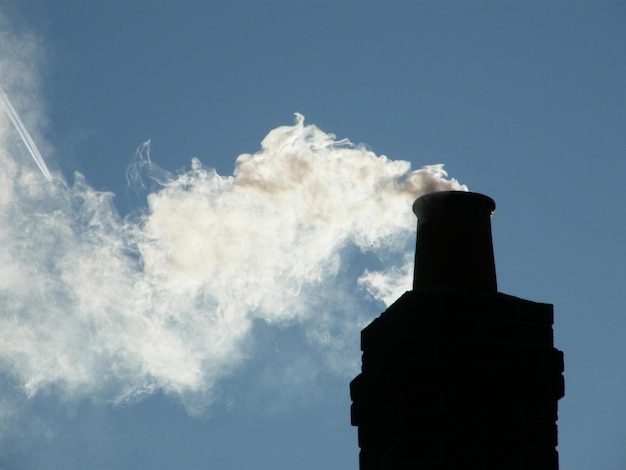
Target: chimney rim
{"points": [[423, 205]]}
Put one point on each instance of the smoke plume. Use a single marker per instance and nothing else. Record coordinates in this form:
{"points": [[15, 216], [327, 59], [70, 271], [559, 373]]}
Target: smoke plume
{"points": [[165, 300], [168, 298]]}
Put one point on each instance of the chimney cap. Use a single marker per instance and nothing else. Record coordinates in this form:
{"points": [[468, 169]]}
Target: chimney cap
{"points": [[454, 248]]}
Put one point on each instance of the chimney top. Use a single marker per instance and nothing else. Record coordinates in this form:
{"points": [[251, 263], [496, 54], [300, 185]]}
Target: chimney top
{"points": [[454, 245]]}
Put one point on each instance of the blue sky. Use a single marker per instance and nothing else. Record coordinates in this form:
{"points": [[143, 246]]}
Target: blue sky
{"points": [[522, 101]]}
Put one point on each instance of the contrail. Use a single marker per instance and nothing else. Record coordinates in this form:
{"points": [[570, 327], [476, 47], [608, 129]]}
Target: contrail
{"points": [[29, 143]]}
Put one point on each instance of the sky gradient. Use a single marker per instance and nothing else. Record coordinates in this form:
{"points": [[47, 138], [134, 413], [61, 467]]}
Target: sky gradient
{"points": [[522, 101]]}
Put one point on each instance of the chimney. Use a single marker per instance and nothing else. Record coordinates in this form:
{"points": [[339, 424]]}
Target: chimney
{"points": [[456, 375]]}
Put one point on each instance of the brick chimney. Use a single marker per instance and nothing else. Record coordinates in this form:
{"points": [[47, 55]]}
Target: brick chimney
{"points": [[456, 375]]}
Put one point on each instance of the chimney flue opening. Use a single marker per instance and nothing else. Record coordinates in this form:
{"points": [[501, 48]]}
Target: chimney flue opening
{"points": [[454, 244]]}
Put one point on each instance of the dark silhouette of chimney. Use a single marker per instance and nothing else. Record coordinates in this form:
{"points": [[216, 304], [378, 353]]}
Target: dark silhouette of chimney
{"points": [[456, 375]]}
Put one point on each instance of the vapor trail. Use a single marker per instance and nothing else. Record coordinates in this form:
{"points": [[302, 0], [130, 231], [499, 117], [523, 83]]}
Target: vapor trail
{"points": [[28, 141]]}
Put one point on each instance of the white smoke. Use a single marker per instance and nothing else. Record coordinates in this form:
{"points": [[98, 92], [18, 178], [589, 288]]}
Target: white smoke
{"points": [[94, 304], [388, 285]]}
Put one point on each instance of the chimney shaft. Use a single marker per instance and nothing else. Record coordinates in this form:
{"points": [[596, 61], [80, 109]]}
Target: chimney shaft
{"points": [[454, 246]]}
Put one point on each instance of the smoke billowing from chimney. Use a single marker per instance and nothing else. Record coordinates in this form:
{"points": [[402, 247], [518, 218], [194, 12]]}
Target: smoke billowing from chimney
{"points": [[116, 308]]}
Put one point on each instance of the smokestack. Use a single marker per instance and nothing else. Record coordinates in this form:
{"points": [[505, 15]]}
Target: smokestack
{"points": [[456, 375]]}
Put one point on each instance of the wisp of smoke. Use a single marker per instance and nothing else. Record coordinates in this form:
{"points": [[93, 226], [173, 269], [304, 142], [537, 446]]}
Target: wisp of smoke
{"points": [[103, 306]]}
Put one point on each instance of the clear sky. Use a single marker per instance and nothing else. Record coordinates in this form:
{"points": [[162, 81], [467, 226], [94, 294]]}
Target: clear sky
{"points": [[215, 322]]}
